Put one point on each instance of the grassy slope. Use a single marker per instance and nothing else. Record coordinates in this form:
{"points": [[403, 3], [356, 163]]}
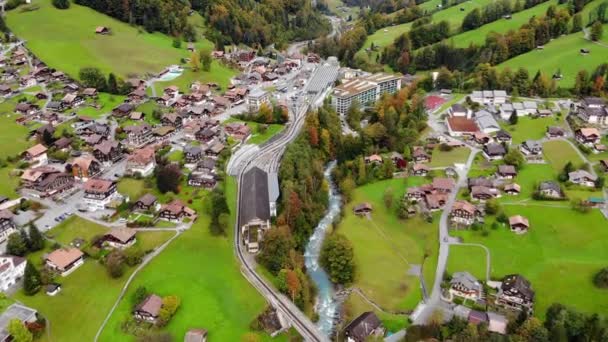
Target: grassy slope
{"points": [[530, 128], [559, 153], [66, 40], [202, 271], [445, 159], [381, 271], [257, 138], [552, 58]]}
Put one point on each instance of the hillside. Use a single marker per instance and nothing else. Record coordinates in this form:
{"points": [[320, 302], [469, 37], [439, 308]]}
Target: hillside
{"points": [[562, 54], [66, 40]]}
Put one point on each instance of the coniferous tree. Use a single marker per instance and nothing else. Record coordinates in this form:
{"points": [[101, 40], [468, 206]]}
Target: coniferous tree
{"points": [[31, 280], [36, 240]]}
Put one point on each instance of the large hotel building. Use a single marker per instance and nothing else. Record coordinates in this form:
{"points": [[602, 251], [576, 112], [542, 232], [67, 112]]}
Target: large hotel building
{"points": [[365, 90]]}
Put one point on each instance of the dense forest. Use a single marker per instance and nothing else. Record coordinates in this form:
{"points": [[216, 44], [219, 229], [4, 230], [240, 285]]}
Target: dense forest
{"points": [[167, 16], [261, 22]]}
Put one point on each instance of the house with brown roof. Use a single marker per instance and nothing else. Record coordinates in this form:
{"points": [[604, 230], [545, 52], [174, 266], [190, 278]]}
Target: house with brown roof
{"points": [[85, 167], [63, 144], [420, 170], [482, 193], [516, 292], [99, 193], [494, 151], [373, 159], [363, 209], [89, 92], [102, 30], [238, 130], [461, 126], [443, 185], [172, 119], [149, 309], [141, 161], [465, 285], [137, 95], [123, 110], [72, 100], [120, 238], [202, 178], [64, 260], [365, 327], [512, 189], [176, 211], [36, 155], [506, 172], [7, 225], [555, 132], [46, 181], [146, 202], [419, 155], [107, 152], [588, 136], [464, 213], [519, 224], [196, 335], [139, 135]]}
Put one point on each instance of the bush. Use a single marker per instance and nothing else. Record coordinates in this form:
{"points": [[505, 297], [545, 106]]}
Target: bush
{"points": [[601, 278], [61, 4], [445, 147]]}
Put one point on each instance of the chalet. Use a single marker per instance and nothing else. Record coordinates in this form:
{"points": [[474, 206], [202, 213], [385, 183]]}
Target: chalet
{"points": [[41, 96], [196, 335], [221, 103], [550, 189], [102, 30], [459, 110], [137, 95], [582, 177], [480, 181], [593, 110], [165, 100], [94, 139], [71, 88], [420, 170], [543, 113], [89, 92], [481, 138], [415, 194], [162, 133], [123, 110], [503, 136], [464, 213], [519, 224], [363, 209], [139, 135], [206, 164], [146, 202], [72, 100], [531, 148], [172, 119], [55, 106], [516, 293], [494, 151], [26, 108], [36, 155], [99, 193], [238, 131], [5, 90], [363, 328], [149, 309], [193, 154], [7, 226], [142, 162], [176, 211], [64, 260], [483, 193], [588, 136], [58, 76], [506, 172], [398, 160], [46, 180], [202, 178], [254, 217], [85, 167], [205, 134], [604, 165], [63, 144], [555, 132], [373, 159], [512, 189], [420, 156], [443, 185], [460, 126], [135, 83], [120, 238], [12, 269], [136, 116], [204, 109], [465, 285], [107, 152], [435, 201]]}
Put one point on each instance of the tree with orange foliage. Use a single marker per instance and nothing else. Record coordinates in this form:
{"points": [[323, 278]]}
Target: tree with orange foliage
{"points": [[293, 284]]}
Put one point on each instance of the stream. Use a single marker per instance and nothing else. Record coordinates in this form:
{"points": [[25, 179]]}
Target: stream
{"points": [[327, 306]]}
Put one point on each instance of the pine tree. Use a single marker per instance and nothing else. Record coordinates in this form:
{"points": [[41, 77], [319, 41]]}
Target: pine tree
{"points": [[513, 118], [16, 245], [597, 31], [36, 241], [31, 280], [112, 84]]}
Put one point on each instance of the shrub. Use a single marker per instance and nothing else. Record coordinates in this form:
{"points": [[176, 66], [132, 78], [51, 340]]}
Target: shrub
{"points": [[61, 4], [601, 278]]}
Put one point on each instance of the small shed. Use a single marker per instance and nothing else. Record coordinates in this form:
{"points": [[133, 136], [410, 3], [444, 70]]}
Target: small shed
{"points": [[363, 209]]}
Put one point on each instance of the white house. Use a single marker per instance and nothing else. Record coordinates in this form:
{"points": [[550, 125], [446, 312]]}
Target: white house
{"points": [[36, 155], [99, 193], [582, 177], [458, 110], [11, 270], [142, 161]]}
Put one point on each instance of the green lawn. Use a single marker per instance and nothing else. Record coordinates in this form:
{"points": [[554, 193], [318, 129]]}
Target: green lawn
{"points": [[107, 102], [561, 252], [552, 58], [518, 19], [257, 138], [66, 40], [530, 128], [8, 182], [383, 244], [75, 227], [445, 159], [467, 258], [202, 271], [13, 136], [219, 74], [559, 153]]}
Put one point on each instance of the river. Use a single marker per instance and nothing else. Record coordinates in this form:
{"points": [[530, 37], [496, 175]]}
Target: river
{"points": [[327, 306]]}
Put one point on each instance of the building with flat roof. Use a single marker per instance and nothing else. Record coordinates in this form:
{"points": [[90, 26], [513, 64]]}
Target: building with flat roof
{"points": [[364, 90], [256, 98]]}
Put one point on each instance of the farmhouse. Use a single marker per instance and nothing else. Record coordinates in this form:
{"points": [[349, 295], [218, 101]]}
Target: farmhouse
{"points": [[99, 193], [483, 193], [36, 155], [555, 132], [7, 225], [72, 100], [139, 135], [107, 152], [65, 260], [531, 148], [516, 293], [85, 167], [420, 170], [363, 209], [12, 269], [464, 213], [46, 181], [465, 285], [582, 177], [419, 155], [494, 151], [149, 309], [550, 189], [123, 110], [512, 189], [506, 172], [120, 238], [176, 210], [364, 327], [146, 202], [142, 162], [519, 224], [102, 30], [588, 136]]}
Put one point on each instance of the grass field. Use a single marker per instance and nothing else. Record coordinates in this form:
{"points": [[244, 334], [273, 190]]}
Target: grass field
{"points": [[219, 74], [478, 36], [562, 251], [445, 159], [530, 128], [385, 247], [66, 40], [202, 271], [257, 138], [89, 288], [559, 153], [107, 103], [552, 58], [13, 136]]}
